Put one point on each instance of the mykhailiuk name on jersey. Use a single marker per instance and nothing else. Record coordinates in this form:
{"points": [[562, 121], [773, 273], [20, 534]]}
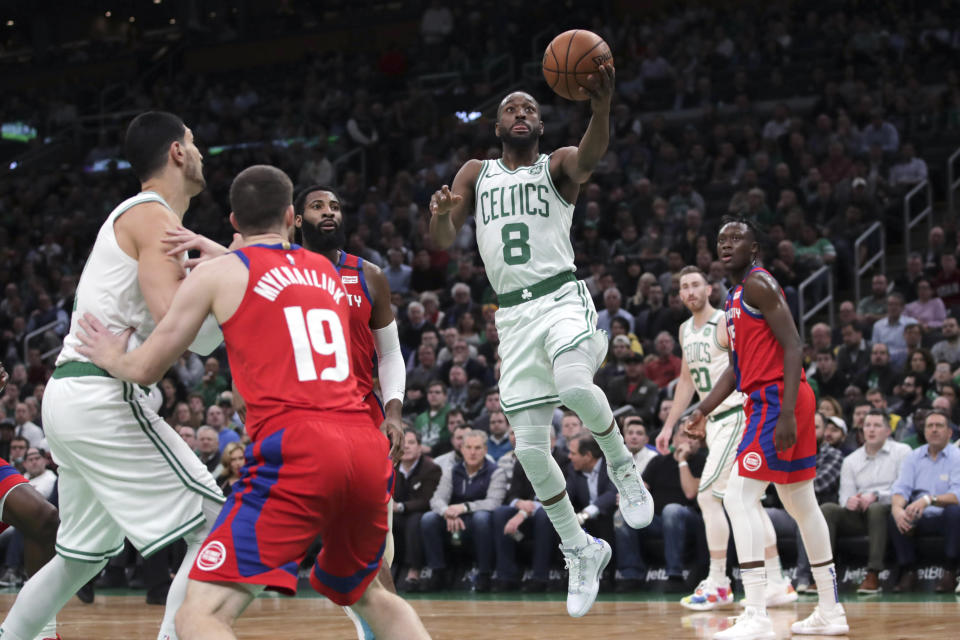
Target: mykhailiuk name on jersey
{"points": [[523, 224]]}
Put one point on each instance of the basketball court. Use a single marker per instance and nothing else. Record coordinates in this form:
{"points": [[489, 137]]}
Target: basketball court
{"points": [[122, 615]]}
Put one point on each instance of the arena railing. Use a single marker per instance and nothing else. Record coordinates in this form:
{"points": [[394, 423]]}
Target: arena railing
{"points": [[38, 332], [860, 270], [953, 183], [909, 222], [826, 301]]}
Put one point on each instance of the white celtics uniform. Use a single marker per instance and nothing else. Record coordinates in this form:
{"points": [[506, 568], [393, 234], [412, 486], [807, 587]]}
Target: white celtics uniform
{"points": [[523, 231], [707, 361], [123, 470]]}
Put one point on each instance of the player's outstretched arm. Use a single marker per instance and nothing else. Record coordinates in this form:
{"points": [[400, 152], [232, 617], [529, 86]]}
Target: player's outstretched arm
{"points": [[449, 208], [682, 395], [578, 163], [146, 364], [763, 293]]}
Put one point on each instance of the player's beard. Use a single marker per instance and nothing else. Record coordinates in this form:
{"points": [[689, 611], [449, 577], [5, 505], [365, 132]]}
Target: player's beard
{"points": [[316, 239], [697, 306], [528, 141]]}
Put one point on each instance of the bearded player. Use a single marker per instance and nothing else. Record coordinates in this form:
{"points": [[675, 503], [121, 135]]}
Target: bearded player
{"points": [[703, 339], [549, 343], [779, 444], [318, 464]]}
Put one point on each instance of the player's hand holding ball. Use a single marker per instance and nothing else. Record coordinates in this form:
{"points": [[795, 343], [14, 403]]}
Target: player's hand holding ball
{"points": [[578, 65]]}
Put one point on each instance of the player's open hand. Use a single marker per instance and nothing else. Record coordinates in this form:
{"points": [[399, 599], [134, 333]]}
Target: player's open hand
{"points": [[102, 346], [694, 426], [443, 201], [785, 433], [393, 429], [600, 87], [182, 239], [4, 377]]}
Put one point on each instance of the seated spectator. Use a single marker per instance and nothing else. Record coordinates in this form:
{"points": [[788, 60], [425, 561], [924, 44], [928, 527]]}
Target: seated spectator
{"points": [[431, 424], [947, 282], [570, 427], [874, 306], [25, 428], [879, 375], [417, 478], [620, 327], [666, 367], [616, 361], [854, 354], [212, 382], [491, 403], [920, 362], [426, 368], [208, 450], [925, 501], [487, 351], [593, 495], [198, 409], [889, 330], [636, 438], [634, 389], [907, 283], [232, 461], [457, 387], [461, 510], [866, 480], [189, 435], [414, 401], [673, 480], [397, 273], [464, 355], [520, 516], [908, 171], [499, 441], [216, 420], [835, 436], [612, 309], [949, 347], [927, 310], [830, 380], [416, 323], [913, 396], [458, 430]]}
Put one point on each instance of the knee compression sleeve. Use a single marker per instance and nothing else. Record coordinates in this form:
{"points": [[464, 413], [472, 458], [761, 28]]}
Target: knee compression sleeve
{"points": [[573, 374], [800, 501], [742, 502], [532, 430]]}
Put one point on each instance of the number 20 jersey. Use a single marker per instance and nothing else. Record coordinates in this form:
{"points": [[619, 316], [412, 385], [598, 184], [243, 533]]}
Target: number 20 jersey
{"points": [[523, 225], [288, 341], [707, 360]]}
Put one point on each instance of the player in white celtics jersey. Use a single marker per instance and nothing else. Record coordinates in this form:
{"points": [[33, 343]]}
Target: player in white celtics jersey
{"points": [[703, 339], [123, 471], [549, 345]]}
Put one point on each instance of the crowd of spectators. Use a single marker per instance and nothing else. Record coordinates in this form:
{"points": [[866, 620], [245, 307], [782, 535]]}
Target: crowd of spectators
{"points": [[704, 122]]}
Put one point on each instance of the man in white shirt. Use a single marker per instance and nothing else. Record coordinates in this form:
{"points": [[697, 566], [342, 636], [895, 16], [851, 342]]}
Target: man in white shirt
{"points": [[636, 438], [25, 428], [866, 479], [39, 477]]}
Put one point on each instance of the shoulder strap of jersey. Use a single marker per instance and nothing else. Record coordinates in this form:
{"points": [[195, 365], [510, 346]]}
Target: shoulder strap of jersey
{"points": [[350, 261]]}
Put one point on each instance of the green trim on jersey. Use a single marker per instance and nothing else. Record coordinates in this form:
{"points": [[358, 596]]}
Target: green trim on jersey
{"points": [[556, 191], [164, 540], [87, 556], [476, 183], [552, 399], [586, 333]]}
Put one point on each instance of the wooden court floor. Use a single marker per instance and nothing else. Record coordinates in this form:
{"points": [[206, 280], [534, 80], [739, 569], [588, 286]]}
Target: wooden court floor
{"points": [[128, 618]]}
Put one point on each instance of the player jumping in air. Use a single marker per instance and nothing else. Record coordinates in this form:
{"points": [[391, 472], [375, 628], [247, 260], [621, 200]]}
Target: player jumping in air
{"points": [[549, 344]]}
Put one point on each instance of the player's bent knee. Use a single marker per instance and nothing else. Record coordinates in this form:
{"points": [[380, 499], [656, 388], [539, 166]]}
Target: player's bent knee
{"points": [[539, 467]]}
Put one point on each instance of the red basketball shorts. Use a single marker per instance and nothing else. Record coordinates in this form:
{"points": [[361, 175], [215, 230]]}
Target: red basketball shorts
{"points": [[757, 456], [9, 478], [329, 477]]}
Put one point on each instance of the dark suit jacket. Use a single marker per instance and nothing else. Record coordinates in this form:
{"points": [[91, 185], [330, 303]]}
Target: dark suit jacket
{"points": [[415, 492], [579, 492], [643, 398]]}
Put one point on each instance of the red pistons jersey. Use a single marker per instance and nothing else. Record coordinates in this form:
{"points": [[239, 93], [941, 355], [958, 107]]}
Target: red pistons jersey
{"points": [[757, 356], [289, 340], [360, 303]]}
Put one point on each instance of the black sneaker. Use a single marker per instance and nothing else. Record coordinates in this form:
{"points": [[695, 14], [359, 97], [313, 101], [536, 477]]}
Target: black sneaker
{"points": [[158, 595], [675, 584], [628, 585], [85, 594], [432, 583], [482, 583], [534, 586], [505, 586]]}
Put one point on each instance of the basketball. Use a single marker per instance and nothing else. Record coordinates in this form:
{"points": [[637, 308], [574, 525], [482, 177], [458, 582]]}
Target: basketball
{"points": [[570, 58]]}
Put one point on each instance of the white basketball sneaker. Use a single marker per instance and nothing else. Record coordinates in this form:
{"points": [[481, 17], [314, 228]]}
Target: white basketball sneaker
{"points": [[749, 625], [709, 596], [820, 624], [778, 593], [636, 503], [585, 564]]}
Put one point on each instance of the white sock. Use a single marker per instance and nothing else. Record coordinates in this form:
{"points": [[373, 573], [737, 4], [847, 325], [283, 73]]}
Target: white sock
{"points": [[564, 520], [178, 591], [44, 594], [826, 578], [49, 630], [774, 571], [754, 589], [718, 571]]}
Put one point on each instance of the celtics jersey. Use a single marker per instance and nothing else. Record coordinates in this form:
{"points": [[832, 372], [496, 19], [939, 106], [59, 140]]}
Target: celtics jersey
{"points": [[109, 286], [706, 359], [523, 225]]}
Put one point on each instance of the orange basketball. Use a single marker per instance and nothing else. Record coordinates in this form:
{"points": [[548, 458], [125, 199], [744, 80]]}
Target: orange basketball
{"points": [[570, 58]]}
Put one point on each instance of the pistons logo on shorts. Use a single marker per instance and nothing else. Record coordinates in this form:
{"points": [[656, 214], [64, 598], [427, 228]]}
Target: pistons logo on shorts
{"points": [[752, 461], [212, 556]]}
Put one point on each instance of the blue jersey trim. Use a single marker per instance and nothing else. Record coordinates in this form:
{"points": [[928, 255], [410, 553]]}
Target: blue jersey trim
{"points": [[363, 280], [243, 257], [279, 245], [346, 584]]}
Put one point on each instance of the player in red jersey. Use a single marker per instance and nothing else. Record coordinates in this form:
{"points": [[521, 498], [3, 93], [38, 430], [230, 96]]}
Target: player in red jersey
{"points": [[373, 329], [317, 464], [779, 444], [23, 508]]}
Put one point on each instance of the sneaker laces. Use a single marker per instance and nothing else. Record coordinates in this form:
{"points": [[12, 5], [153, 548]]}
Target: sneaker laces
{"points": [[630, 485], [573, 563]]}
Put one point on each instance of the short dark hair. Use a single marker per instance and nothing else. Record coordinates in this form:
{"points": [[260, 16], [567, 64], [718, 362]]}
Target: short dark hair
{"points": [[692, 268], [15, 438], [456, 411], [879, 412], [415, 433], [490, 391], [730, 219], [300, 201], [852, 325], [148, 138], [259, 196], [827, 351], [587, 444], [437, 383]]}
